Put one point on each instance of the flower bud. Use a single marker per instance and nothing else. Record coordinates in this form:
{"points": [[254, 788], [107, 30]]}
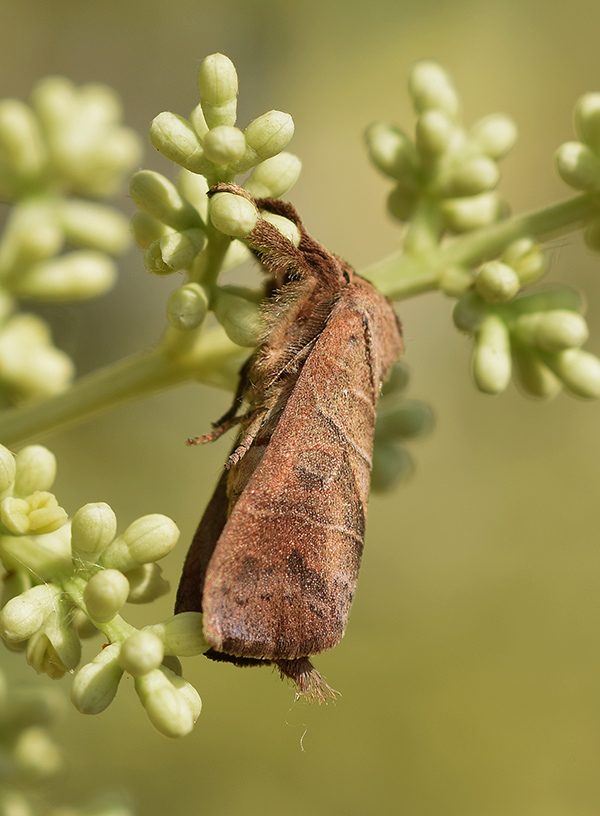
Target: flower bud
{"points": [[33, 233], [38, 513], [408, 419], [178, 249], [579, 371], [497, 282], [78, 275], [37, 756], [224, 144], [147, 539], [13, 803], [241, 318], [396, 382], [547, 298], [273, 177], [591, 235], [233, 214], [495, 135], [553, 330], [527, 259], [198, 122], [146, 584], [194, 187], [578, 165], [105, 594], [270, 133], [469, 312], [430, 86], [146, 230], [35, 470], [141, 653], [401, 202], [455, 280], [172, 705], [92, 529], [22, 616], [465, 214], [176, 140], [392, 152], [62, 635], [181, 634], [587, 120], [491, 358], [433, 133], [473, 177], [7, 469], [286, 227], [535, 377], [42, 555], [43, 658], [95, 226], [21, 144], [157, 197], [392, 464], [95, 684], [187, 306], [218, 87]]}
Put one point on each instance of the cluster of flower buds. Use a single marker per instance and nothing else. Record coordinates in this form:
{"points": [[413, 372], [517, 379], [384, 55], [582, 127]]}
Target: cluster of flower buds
{"points": [[398, 421], [56, 246], [68, 579], [174, 226], [447, 171]]}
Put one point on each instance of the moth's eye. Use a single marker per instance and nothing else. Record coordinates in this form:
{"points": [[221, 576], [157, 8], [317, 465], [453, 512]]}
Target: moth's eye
{"points": [[346, 275]]}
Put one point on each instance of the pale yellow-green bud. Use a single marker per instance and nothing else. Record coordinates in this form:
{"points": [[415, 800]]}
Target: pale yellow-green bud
{"points": [[198, 122], [404, 421], [579, 371], [495, 135], [43, 555], [401, 202], [78, 275], [535, 377], [37, 755], [95, 684], [497, 282], [433, 133], [591, 235], [146, 229], [194, 187], [105, 594], [88, 224], [397, 380], [32, 233], [224, 144], [469, 312], [527, 259], [241, 318], [587, 120], [176, 140], [35, 470], [554, 330], [93, 527], [146, 584], [464, 214], [182, 634], [270, 133], [578, 165], [286, 227], [62, 635], [392, 464], [38, 513], [141, 653], [430, 86], [233, 214], [473, 176], [22, 616], [392, 152], [455, 280], [172, 704], [273, 177], [7, 469], [147, 539], [21, 144], [159, 198], [153, 261], [187, 306], [491, 358], [218, 87], [548, 298], [43, 657], [178, 249], [13, 803]]}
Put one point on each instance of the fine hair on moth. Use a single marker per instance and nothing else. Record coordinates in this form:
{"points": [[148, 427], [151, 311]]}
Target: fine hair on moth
{"points": [[274, 562]]}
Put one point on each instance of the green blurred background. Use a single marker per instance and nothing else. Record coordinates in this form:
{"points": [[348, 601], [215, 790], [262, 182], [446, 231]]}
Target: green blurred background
{"points": [[470, 672]]}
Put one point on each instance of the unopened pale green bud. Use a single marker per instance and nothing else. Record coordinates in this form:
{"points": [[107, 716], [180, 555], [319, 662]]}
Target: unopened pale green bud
{"points": [[409, 419], [13, 803], [22, 616], [473, 177], [176, 140], [286, 227], [141, 653], [397, 380], [273, 177], [153, 261], [527, 259], [430, 86], [146, 229], [194, 187], [233, 214], [172, 705], [392, 152], [392, 465], [21, 144], [95, 684], [39, 513], [465, 214], [156, 196], [218, 87], [548, 298], [455, 280], [578, 165], [495, 135], [62, 635], [146, 584], [491, 358], [43, 555], [198, 122], [270, 133], [37, 756], [555, 330], [7, 469], [469, 312], [241, 318], [579, 371], [77, 275], [178, 249], [497, 282], [147, 539], [96, 226], [535, 377], [591, 236], [33, 233], [36, 470], [42, 656], [401, 202], [587, 120], [92, 529], [433, 133], [182, 634], [105, 594], [187, 306], [224, 144]]}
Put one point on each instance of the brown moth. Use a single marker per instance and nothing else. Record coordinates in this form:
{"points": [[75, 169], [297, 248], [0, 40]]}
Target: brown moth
{"points": [[274, 562]]}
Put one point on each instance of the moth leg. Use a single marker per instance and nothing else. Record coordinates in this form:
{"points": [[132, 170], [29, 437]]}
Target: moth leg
{"points": [[220, 428], [256, 421]]}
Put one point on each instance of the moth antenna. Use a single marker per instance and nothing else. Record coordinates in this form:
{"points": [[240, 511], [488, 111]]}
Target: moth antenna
{"points": [[307, 679]]}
